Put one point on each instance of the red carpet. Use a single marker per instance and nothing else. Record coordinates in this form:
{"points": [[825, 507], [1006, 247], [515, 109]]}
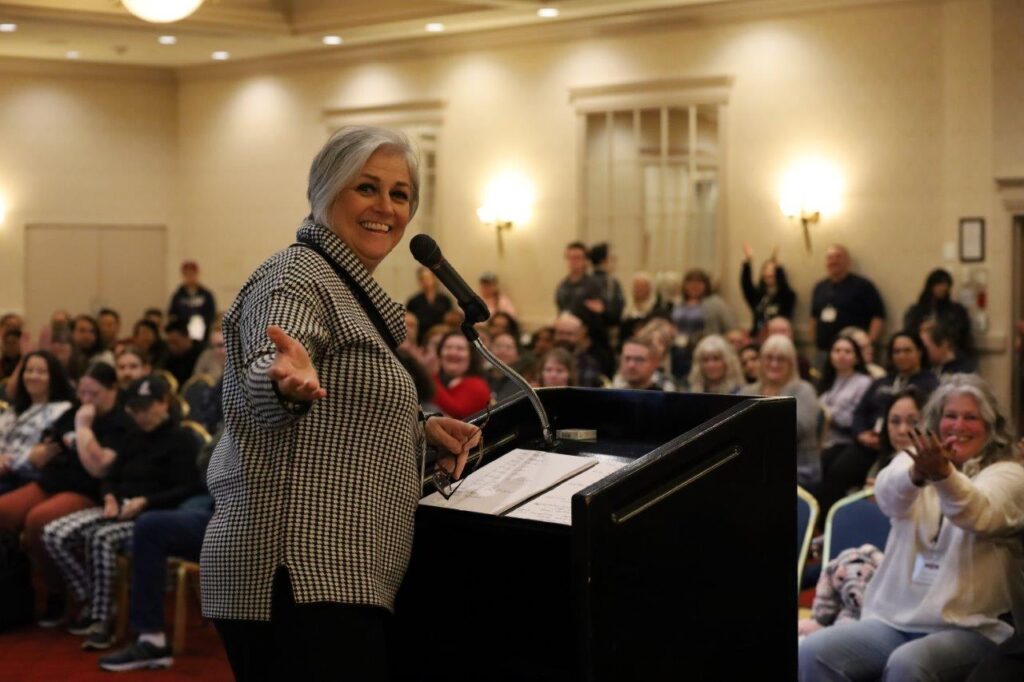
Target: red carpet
{"points": [[33, 654]]}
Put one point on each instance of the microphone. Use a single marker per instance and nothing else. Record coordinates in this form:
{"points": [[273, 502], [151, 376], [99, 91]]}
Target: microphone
{"points": [[426, 251]]}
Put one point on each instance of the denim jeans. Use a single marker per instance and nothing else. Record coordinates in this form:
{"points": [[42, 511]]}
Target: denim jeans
{"points": [[158, 535], [870, 650]]}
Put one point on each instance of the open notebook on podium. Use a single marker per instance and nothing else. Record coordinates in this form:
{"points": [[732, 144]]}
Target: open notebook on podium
{"points": [[516, 477]]}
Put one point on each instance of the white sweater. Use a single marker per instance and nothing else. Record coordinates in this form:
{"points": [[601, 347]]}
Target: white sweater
{"points": [[981, 564]]}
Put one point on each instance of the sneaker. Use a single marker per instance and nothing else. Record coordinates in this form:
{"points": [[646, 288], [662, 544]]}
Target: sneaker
{"points": [[82, 625], [53, 615], [100, 637], [136, 656]]}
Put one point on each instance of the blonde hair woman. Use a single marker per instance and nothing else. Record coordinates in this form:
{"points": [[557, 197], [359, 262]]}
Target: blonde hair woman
{"points": [[715, 369]]}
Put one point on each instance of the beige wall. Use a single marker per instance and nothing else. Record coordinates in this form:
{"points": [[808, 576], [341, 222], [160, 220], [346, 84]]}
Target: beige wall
{"points": [[82, 144], [905, 98]]}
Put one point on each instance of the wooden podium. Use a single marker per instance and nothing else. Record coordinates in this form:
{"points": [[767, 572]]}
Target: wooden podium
{"points": [[679, 566]]}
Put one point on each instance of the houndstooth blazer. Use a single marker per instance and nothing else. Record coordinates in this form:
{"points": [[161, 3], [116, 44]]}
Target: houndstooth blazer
{"points": [[331, 493]]}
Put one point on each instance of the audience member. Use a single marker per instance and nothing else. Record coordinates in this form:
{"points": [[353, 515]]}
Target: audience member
{"points": [[496, 300], [506, 349], [502, 323], [716, 369], [638, 366], [558, 369], [780, 325], [935, 304], [59, 320], [182, 351], [770, 297], [645, 303], [737, 338], [867, 350], [843, 299], [902, 416], [131, 364], [211, 360], [192, 303], [701, 311], [578, 287], [85, 336], [42, 394], [109, 322], [154, 316], [943, 356], [69, 357], [146, 335], [459, 388], [429, 305], [951, 567], [155, 469], [602, 262], [844, 381], [778, 377], [571, 334], [750, 362], [10, 351], [71, 457]]}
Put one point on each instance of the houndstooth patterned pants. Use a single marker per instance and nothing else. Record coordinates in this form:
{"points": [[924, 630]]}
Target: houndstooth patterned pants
{"points": [[84, 545]]}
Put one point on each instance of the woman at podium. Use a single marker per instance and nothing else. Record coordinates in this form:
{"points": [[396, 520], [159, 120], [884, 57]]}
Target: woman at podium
{"points": [[315, 479]]}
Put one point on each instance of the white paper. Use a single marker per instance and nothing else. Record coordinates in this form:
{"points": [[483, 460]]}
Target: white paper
{"points": [[555, 506], [509, 480]]}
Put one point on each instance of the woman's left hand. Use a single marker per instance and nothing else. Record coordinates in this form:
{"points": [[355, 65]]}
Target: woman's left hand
{"points": [[932, 459], [455, 436]]}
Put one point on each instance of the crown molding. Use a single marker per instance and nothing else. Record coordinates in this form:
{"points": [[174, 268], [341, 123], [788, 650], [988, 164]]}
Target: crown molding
{"points": [[79, 69]]}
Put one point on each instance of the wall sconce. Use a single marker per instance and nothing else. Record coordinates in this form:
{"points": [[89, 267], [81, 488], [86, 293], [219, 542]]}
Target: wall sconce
{"points": [[810, 190], [508, 201], [161, 11]]}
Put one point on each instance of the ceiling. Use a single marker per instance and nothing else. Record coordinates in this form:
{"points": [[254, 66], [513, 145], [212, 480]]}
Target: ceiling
{"points": [[103, 31]]}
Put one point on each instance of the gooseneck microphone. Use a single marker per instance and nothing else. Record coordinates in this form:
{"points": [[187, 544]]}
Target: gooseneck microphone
{"points": [[428, 253]]}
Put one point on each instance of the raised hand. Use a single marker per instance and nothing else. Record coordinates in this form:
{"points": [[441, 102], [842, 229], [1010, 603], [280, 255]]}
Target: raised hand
{"points": [[932, 458], [748, 253], [293, 371]]}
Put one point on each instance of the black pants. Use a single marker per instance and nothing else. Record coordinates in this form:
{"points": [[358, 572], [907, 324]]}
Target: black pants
{"points": [[1006, 664], [320, 641]]}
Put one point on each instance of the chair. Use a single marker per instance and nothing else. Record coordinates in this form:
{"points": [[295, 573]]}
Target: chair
{"points": [[202, 434], [853, 521], [806, 516], [184, 570]]}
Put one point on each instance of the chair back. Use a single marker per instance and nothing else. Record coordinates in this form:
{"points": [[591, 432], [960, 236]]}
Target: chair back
{"points": [[854, 521], [806, 516], [195, 390], [202, 435]]}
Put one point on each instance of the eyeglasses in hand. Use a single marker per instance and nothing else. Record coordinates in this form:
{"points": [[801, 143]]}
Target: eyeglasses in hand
{"points": [[442, 478]]}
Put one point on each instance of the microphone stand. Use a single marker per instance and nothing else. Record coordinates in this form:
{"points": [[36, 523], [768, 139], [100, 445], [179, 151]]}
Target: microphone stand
{"points": [[474, 338]]}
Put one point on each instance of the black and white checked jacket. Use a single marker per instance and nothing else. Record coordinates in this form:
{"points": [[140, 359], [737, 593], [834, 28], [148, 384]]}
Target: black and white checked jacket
{"points": [[332, 493]]}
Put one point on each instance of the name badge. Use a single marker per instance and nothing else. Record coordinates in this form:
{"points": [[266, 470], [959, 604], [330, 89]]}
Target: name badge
{"points": [[926, 569], [828, 314]]}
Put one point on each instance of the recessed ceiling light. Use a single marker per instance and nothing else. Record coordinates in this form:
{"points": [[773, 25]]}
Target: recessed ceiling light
{"points": [[332, 40], [220, 55], [8, 28], [167, 40], [547, 12], [434, 27], [72, 54]]}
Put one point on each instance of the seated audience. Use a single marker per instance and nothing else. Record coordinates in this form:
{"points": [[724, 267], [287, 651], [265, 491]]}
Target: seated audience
{"points": [[638, 366], [505, 348], [59, 320], [85, 337], [901, 418], [558, 369], [131, 364], [10, 351], [750, 362], [496, 300], [701, 311], [459, 388], [572, 335], [154, 316], [770, 297], [935, 305], [943, 356], [429, 305], [778, 377], [146, 335], [952, 561], [780, 325], [182, 351], [844, 382], [645, 303], [502, 323], [72, 456], [70, 359], [211, 360], [867, 350], [738, 338], [716, 369], [155, 469], [109, 322], [42, 394]]}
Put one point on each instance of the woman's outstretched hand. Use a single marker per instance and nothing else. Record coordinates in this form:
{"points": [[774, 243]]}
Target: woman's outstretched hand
{"points": [[932, 457], [293, 371]]}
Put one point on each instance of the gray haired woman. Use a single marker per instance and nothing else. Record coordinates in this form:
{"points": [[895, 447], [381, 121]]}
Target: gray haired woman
{"points": [[953, 561], [315, 478]]}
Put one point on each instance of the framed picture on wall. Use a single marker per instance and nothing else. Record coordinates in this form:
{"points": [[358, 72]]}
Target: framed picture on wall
{"points": [[972, 240]]}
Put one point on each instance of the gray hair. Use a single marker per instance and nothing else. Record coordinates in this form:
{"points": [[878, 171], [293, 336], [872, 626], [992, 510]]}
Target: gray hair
{"points": [[999, 446], [715, 345], [777, 344], [339, 161]]}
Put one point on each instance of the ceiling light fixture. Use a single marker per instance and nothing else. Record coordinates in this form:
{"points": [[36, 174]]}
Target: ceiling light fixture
{"points": [[161, 11], [8, 28], [332, 40], [434, 27], [220, 55], [167, 40], [547, 12], [73, 54]]}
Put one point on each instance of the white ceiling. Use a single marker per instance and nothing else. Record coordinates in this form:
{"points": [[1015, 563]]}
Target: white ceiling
{"points": [[103, 31]]}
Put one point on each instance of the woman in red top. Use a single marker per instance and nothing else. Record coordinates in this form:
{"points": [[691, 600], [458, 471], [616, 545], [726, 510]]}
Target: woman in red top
{"points": [[461, 390]]}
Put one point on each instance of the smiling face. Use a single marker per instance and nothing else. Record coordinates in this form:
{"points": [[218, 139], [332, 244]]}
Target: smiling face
{"points": [[37, 379], [504, 346], [903, 416], [371, 212], [777, 368], [554, 374], [712, 367], [454, 355], [962, 425]]}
